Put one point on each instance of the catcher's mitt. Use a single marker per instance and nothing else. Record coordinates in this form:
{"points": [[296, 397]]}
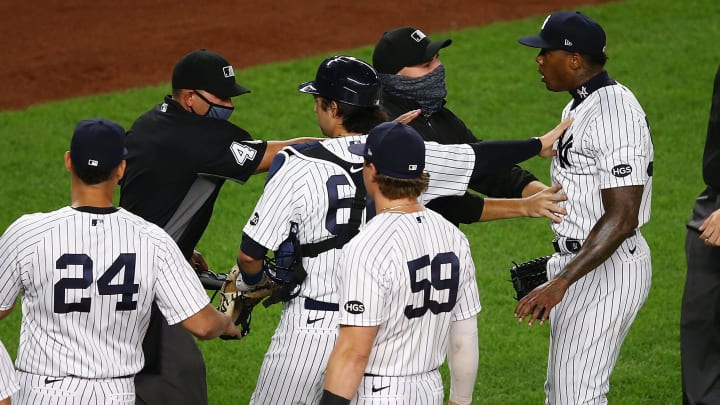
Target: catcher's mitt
{"points": [[528, 275], [238, 305]]}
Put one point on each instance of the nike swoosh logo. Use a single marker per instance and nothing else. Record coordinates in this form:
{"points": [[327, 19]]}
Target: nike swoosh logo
{"points": [[379, 388], [354, 170], [312, 321], [632, 251], [49, 380]]}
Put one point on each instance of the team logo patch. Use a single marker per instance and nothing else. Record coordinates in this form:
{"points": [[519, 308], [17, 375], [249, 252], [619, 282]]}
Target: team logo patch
{"points": [[622, 170], [255, 219], [355, 307]]}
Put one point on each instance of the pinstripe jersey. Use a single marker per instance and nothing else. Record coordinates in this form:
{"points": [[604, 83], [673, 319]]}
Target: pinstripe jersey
{"points": [[8, 379], [608, 145], [317, 194], [88, 278], [411, 274], [310, 192]]}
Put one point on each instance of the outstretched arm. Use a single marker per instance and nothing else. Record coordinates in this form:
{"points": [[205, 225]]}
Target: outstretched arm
{"points": [[493, 155], [273, 147], [540, 204]]}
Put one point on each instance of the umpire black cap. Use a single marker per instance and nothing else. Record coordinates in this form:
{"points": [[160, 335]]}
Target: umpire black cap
{"points": [[206, 70], [346, 80]]}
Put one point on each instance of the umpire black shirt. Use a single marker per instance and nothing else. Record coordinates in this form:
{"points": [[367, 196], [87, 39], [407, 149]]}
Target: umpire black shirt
{"points": [[176, 163]]}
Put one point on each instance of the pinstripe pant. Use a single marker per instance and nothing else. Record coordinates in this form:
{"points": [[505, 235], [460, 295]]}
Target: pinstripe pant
{"points": [[293, 369], [589, 325], [39, 389]]}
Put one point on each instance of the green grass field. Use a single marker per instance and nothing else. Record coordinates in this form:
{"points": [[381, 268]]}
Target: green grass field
{"points": [[665, 51]]}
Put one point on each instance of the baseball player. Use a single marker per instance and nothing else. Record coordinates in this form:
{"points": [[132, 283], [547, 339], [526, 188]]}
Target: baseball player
{"points": [[88, 274], [8, 380], [600, 276], [406, 288], [314, 198], [179, 155]]}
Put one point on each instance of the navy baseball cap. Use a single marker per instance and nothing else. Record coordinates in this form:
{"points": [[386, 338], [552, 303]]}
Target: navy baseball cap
{"points": [[206, 70], [404, 46], [569, 31], [98, 143], [396, 150]]}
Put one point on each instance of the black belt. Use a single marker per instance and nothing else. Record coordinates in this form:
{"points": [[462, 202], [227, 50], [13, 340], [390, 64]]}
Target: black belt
{"points": [[321, 305], [568, 245]]}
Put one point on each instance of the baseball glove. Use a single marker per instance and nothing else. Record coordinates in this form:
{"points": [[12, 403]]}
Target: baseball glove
{"points": [[528, 275], [238, 305]]}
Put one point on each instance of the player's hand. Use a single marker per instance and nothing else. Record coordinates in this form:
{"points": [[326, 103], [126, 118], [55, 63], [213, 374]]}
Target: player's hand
{"points": [[197, 261], [232, 332], [548, 140], [711, 229], [408, 116], [542, 204], [538, 303]]}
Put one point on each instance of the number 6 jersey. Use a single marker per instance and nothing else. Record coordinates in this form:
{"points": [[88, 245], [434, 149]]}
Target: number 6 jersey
{"points": [[88, 277]]}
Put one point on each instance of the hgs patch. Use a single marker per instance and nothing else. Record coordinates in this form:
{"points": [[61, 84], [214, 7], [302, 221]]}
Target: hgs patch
{"points": [[622, 170], [255, 219], [355, 307]]}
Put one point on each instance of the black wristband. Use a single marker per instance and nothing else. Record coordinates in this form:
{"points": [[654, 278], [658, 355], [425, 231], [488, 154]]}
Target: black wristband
{"points": [[328, 398]]}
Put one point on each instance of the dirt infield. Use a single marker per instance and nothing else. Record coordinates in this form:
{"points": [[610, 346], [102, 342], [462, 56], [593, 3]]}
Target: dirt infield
{"points": [[57, 49]]}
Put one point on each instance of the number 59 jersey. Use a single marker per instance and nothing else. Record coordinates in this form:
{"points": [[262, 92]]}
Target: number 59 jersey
{"points": [[411, 274], [88, 278]]}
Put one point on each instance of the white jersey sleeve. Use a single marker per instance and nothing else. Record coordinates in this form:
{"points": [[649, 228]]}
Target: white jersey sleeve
{"points": [[178, 291], [8, 379], [449, 167]]}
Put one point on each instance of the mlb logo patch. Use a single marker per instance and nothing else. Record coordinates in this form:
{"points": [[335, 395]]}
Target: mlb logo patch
{"points": [[417, 35], [412, 167], [92, 162], [228, 71]]}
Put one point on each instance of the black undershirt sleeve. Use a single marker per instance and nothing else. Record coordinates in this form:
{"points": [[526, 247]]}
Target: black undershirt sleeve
{"points": [[252, 248], [493, 155]]}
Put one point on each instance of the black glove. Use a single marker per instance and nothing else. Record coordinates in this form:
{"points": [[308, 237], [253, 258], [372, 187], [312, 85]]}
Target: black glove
{"points": [[528, 275]]}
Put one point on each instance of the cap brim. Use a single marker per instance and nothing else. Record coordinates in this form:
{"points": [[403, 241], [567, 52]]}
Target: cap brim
{"points": [[534, 41], [357, 149], [435, 47], [308, 87], [238, 90]]}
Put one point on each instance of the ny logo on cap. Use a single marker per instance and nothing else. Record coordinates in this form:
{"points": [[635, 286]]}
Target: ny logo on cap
{"points": [[545, 22], [417, 35], [228, 71]]}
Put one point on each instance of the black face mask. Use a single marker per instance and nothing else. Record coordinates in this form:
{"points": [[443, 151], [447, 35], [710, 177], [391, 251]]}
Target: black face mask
{"points": [[216, 111], [429, 91]]}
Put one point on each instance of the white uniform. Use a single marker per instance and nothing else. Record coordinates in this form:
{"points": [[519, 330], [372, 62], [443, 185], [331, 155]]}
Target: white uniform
{"points": [[411, 275], [607, 146], [88, 278], [316, 194], [8, 380]]}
